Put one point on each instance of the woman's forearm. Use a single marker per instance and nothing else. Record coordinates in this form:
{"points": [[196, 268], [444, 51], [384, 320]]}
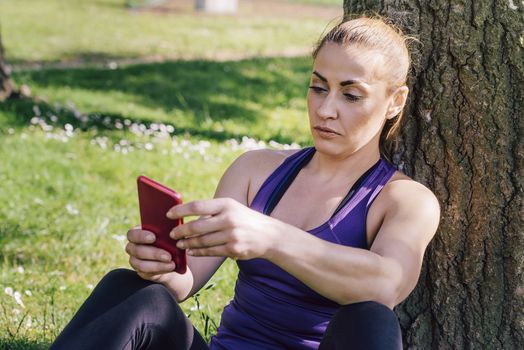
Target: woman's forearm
{"points": [[340, 273], [180, 286], [199, 271]]}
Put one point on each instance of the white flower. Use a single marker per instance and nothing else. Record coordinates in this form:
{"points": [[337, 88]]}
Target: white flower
{"points": [[36, 110], [195, 308], [71, 210], [8, 291], [28, 293], [18, 299], [29, 322], [148, 146], [89, 286], [20, 269], [119, 238]]}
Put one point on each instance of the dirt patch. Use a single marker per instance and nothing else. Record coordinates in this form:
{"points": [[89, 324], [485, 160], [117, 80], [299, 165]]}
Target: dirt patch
{"points": [[252, 8]]}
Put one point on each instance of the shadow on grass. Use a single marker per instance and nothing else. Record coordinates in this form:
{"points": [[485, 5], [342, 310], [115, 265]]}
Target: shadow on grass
{"points": [[22, 344], [104, 122], [241, 92]]}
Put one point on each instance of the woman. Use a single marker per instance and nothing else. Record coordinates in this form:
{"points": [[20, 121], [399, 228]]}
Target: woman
{"points": [[310, 252]]}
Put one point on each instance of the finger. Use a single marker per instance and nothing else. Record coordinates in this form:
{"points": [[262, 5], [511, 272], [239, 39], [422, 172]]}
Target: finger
{"points": [[221, 250], [197, 208], [147, 252], [140, 236], [198, 227], [204, 241], [151, 267]]}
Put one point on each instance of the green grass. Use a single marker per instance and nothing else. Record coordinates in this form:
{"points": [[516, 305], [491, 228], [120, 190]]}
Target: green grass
{"points": [[94, 30], [199, 97], [70, 157], [69, 196], [69, 202]]}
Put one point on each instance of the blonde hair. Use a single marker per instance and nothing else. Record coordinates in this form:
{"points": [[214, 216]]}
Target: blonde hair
{"points": [[377, 33]]}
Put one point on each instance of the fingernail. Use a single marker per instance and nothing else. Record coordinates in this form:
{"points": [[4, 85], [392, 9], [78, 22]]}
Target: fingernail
{"points": [[172, 234], [189, 252], [150, 238], [180, 244], [165, 257], [169, 215]]}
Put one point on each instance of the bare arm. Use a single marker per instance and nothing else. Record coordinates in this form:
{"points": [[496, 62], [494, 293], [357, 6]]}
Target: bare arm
{"points": [[386, 273], [148, 260], [230, 186]]}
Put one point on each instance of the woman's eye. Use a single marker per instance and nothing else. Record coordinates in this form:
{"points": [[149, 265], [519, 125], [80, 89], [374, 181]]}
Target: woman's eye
{"points": [[317, 89], [352, 98]]}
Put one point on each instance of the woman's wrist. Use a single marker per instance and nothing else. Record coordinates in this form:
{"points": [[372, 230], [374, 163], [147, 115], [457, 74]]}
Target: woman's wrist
{"points": [[276, 237]]}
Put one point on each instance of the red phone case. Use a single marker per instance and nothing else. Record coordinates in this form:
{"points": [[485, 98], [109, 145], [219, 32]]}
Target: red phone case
{"points": [[155, 200]]}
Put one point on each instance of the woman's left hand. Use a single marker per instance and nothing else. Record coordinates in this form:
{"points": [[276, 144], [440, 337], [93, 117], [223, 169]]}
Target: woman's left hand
{"points": [[225, 228]]}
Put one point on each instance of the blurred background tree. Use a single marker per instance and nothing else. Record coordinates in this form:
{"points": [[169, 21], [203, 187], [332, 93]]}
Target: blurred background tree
{"points": [[6, 84], [463, 137]]}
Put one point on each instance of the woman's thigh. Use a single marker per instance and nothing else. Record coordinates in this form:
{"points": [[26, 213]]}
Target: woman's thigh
{"points": [[125, 311]]}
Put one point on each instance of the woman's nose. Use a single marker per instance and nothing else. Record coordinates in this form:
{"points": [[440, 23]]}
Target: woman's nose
{"points": [[328, 108]]}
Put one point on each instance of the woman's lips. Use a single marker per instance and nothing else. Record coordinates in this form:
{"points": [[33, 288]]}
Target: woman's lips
{"points": [[325, 131]]}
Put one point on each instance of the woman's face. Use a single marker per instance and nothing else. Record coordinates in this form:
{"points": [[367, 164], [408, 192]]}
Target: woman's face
{"points": [[349, 99]]}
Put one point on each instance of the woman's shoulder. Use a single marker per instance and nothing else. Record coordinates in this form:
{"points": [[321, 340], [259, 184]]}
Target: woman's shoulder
{"points": [[407, 204], [265, 157], [404, 193], [257, 165]]}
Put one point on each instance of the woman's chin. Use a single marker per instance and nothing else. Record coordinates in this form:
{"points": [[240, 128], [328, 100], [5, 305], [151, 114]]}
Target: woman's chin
{"points": [[330, 147]]}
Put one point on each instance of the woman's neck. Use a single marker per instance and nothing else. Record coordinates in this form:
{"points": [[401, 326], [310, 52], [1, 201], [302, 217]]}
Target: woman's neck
{"points": [[340, 167]]}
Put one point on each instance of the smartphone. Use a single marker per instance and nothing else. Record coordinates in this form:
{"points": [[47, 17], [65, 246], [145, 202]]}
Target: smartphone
{"points": [[154, 201]]}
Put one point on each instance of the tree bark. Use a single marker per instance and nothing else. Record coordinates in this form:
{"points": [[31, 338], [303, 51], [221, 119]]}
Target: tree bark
{"points": [[6, 84], [463, 138]]}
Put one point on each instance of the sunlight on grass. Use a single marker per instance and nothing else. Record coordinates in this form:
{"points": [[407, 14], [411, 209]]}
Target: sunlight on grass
{"points": [[70, 198], [261, 98], [100, 30], [70, 157]]}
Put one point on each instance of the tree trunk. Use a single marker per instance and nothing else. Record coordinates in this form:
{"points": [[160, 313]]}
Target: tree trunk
{"points": [[463, 138], [6, 84]]}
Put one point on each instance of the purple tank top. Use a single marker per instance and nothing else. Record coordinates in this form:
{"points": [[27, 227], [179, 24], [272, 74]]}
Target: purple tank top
{"points": [[272, 309]]}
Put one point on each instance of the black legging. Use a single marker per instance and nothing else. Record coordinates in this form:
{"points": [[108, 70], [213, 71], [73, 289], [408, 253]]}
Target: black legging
{"points": [[127, 312]]}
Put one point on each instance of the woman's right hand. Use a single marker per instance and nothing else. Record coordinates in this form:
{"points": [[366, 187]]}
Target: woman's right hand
{"points": [[151, 263]]}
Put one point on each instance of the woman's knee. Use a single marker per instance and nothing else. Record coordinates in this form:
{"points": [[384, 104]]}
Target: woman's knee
{"points": [[365, 310], [119, 275], [363, 325], [120, 278]]}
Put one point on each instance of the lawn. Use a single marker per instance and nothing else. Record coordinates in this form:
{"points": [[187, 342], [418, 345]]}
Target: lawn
{"points": [[93, 31], [70, 157]]}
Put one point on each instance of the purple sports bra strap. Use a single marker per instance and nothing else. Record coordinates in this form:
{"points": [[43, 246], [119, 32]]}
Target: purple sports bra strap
{"points": [[277, 178]]}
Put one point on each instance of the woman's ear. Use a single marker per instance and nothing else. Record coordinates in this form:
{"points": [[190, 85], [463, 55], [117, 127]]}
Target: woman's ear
{"points": [[397, 102]]}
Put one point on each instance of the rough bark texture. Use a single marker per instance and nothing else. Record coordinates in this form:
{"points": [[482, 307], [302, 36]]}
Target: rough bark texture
{"points": [[463, 138], [6, 84]]}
